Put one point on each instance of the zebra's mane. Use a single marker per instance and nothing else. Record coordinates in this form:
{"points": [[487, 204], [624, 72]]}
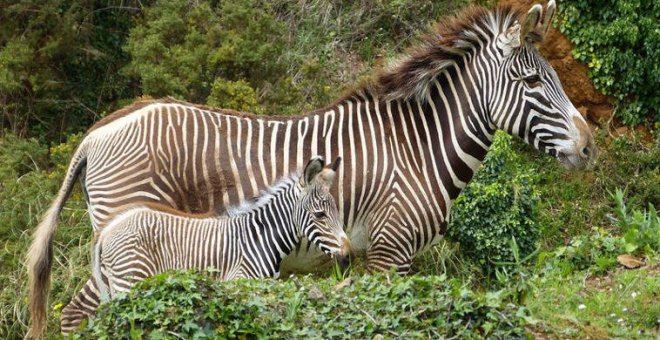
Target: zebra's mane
{"points": [[410, 76], [250, 205]]}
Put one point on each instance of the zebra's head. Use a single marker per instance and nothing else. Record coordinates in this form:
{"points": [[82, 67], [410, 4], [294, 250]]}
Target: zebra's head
{"points": [[527, 98], [316, 215]]}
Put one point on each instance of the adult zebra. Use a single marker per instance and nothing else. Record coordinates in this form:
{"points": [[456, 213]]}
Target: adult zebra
{"points": [[410, 139]]}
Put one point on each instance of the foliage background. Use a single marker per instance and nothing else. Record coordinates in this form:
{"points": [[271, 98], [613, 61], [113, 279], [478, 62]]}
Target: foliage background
{"points": [[64, 64], [620, 42]]}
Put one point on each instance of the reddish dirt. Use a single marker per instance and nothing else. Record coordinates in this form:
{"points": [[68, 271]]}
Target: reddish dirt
{"points": [[595, 106]]}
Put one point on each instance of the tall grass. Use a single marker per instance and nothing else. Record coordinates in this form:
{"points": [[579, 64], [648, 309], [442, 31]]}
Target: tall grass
{"points": [[29, 182]]}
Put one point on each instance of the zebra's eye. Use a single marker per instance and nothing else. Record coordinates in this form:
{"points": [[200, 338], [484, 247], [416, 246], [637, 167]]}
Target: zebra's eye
{"points": [[319, 214], [532, 79]]}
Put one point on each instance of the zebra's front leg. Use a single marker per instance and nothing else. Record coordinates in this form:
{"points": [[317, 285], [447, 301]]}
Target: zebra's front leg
{"points": [[391, 248], [81, 307]]}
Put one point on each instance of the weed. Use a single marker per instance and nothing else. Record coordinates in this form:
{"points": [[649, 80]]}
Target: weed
{"points": [[515, 275]]}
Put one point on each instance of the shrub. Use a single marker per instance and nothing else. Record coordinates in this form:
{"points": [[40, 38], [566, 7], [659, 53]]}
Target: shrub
{"points": [[620, 42], [59, 63], [498, 204], [182, 47], [236, 95], [19, 156], [196, 306]]}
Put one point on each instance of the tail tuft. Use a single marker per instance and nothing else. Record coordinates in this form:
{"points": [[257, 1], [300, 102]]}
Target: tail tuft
{"points": [[39, 261], [40, 256]]}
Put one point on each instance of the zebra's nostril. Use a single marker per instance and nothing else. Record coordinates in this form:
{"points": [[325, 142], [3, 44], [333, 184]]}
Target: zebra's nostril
{"points": [[586, 151]]}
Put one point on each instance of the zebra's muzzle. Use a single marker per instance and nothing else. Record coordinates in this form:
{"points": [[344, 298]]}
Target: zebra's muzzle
{"points": [[343, 257], [585, 159]]}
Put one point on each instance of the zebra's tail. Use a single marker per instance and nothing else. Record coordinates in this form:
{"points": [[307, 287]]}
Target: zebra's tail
{"points": [[40, 255]]}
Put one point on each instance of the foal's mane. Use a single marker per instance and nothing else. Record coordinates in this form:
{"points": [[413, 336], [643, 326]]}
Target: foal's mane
{"points": [[250, 205]]}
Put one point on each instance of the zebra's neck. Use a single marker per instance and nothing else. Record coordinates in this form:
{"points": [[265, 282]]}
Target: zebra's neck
{"points": [[268, 229], [444, 138], [461, 131]]}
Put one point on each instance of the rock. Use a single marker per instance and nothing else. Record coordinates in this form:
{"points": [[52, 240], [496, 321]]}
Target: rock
{"points": [[341, 285], [315, 294], [629, 261]]}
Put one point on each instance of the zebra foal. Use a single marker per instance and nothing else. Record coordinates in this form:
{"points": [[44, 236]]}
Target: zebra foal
{"points": [[249, 243]]}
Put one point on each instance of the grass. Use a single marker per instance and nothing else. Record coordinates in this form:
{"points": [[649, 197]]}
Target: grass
{"points": [[70, 271], [27, 189], [575, 202], [622, 303]]}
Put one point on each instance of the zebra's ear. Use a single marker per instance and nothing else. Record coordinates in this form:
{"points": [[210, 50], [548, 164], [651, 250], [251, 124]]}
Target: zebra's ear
{"points": [[547, 20], [313, 168], [335, 165], [532, 21], [515, 35], [509, 40]]}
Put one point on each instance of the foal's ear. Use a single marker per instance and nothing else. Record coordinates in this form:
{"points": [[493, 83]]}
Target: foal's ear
{"points": [[335, 165], [313, 168], [327, 176]]}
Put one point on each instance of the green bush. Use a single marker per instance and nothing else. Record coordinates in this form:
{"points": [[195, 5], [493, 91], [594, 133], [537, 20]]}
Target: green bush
{"points": [[498, 204], [235, 95], [195, 306], [64, 64], [181, 48], [59, 63], [620, 42]]}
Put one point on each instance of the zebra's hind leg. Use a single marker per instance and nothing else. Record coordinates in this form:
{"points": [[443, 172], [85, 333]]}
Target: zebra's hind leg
{"points": [[81, 307]]}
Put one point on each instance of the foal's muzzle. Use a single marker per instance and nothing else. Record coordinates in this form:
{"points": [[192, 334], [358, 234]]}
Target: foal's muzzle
{"points": [[343, 257]]}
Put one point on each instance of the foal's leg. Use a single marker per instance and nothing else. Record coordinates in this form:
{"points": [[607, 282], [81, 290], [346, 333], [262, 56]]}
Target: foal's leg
{"points": [[81, 307]]}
